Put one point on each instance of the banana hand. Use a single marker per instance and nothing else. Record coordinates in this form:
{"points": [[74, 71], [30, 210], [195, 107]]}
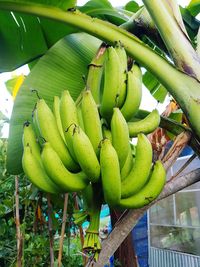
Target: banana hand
{"points": [[85, 154], [112, 72], [123, 76], [134, 93], [69, 116], [49, 131], [29, 139], [68, 181], [139, 174], [120, 136], [36, 173], [110, 173], [147, 125], [149, 192], [91, 120], [56, 112]]}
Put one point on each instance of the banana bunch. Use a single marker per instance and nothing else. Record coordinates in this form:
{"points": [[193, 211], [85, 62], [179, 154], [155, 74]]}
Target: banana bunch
{"points": [[85, 146]]}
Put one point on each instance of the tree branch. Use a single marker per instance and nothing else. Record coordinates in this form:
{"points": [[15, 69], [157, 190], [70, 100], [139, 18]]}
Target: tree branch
{"points": [[127, 223], [62, 230], [50, 226], [180, 142]]}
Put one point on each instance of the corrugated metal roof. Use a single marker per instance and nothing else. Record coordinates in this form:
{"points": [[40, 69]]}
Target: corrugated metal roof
{"points": [[167, 258]]}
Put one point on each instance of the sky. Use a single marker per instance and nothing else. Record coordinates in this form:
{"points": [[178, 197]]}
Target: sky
{"points": [[6, 101]]}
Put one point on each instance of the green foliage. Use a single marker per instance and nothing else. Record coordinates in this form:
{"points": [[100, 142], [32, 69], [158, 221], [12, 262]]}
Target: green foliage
{"points": [[105, 11], [191, 23], [7, 223], [132, 6], [63, 4], [194, 7], [26, 30], [157, 90], [34, 223]]}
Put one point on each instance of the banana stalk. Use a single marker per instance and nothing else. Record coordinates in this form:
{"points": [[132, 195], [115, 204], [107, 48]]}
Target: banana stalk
{"points": [[92, 202], [169, 23], [184, 88], [142, 25]]}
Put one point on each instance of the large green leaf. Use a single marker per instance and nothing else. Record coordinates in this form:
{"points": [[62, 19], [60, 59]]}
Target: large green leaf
{"points": [[63, 4], [17, 33], [157, 90], [105, 11], [24, 38], [192, 24], [62, 67], [132, 6], [194, 7]]}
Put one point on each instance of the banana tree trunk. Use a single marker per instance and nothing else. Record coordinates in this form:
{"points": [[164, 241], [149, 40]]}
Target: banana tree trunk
{"points": [[184, 88]]}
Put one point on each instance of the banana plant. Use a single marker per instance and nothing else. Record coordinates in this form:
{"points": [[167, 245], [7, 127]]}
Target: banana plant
{"points": [[178, 72], [183, 86]]}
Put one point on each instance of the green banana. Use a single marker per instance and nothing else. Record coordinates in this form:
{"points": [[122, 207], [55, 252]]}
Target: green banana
{"points": [[147, 125], [85, 154], [91, 120], [49, 131], [29, 139], [36, 128], [139, 174], [134, 93], [56, 112], [69, 116], [95, 72], [68, 181], [80, 116], [127, 165], [36, 173], [123, 75], [120, 136], [149, 192], [111, 89], [106, 132], [110, 173]]}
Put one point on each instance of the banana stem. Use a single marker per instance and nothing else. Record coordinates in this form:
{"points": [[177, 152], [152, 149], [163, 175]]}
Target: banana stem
{"points": [[92, 202], [94, 222], [174, 35], [182, 87], [92, 243], [141, 24]]}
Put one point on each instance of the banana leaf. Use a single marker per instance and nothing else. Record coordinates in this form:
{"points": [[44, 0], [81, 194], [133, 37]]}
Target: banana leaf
{"points": [[61, 68], [157, 90], [24, 38], [194, 7], [132, 6], [105, 11]]}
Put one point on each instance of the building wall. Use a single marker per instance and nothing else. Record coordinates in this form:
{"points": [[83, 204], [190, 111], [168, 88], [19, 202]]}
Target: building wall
{"points": [[174, 224]]}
